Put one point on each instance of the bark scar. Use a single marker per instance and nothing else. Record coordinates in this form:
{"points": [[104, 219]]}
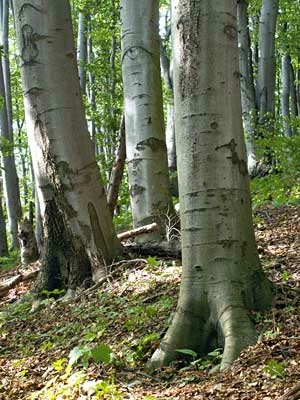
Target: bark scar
{"points": [[234, 156]]}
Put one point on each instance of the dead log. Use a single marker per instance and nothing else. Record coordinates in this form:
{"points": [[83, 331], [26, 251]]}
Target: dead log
{"points": [[13, 281], [162, 249], [138, 231]]}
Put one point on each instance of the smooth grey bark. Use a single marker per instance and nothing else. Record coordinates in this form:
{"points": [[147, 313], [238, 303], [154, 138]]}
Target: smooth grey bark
{"points": [[82, 50], [145, 136], [117, 169], [249, 109], [10, 178], [267, 62], [3, 236], [293, 92], [285, 94], [91, 89], [298, 85], [11, 183], [79, 238], [170, 126], [222, 277]]}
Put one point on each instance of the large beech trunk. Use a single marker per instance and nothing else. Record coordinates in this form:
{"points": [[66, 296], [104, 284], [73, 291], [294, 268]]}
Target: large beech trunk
{"points": [[145, 137], [222, 277], [79, 238]]}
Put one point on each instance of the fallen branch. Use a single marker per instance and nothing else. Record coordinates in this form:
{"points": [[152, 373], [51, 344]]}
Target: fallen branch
{"points": [[292, 394], [14, 280], [163, 249], [138, 231]]}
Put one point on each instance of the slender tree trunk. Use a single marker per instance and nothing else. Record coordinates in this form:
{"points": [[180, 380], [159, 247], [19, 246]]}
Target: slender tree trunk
{"points": [[11, 183], [298, 86], [285, 94], [145, 136], [247, 83], [222, 277], [3, 237], [79, 238], [91, 88], [170, 127], [117, 170], [267, 61], [293, 94], [82, 50]]}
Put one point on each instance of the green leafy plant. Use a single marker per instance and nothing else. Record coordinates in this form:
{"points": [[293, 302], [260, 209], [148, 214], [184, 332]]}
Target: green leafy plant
{"points": [[285, 276], [275, 369], [152, 261], [100, 353], [212, 360], [53, 293]]}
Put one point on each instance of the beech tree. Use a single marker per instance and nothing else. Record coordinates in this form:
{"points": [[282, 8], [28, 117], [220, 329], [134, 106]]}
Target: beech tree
{"points": [[249, 109], [266, 74], [79, 238], [145, 136], [10, 177], [3, 237], [222, 276]]}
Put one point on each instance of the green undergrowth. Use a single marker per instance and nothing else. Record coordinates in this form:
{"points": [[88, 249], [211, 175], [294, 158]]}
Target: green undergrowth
{"points": [[6, 263], [281, 184], [80, 346]]}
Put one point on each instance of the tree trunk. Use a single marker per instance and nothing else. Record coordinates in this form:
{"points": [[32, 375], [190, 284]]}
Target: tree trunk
{"points": [[3, 237], [11, 182], [293, 94], [82, 50], [249, 110], [222, 277], [117, 170], [28, 243], [79, 238], [91, 88], [267, 62], [10, 178], [145, 136], [170, 127], [285, 94]]}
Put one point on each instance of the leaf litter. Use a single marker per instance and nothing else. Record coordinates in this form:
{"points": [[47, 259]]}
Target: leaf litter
{"points": [[122, 322]]}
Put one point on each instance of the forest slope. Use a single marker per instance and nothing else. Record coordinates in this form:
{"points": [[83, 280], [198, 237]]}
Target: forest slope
{"points": [[121, 324]]}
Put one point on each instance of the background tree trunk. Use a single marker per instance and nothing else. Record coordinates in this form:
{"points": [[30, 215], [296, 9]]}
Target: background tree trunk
{"points": [[79, 238], [10, 178], [247, 83], [285, 94], [222, 277], [117, 170], [11, 182], [3, 237], [145, 136], [267, 61], [82, 50]]}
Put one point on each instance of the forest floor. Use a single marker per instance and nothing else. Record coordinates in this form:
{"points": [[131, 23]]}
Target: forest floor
{"points": [[96, 346]]}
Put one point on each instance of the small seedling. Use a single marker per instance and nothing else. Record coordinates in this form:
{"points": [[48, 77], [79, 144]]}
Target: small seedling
{"points": [[275, 369]]}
